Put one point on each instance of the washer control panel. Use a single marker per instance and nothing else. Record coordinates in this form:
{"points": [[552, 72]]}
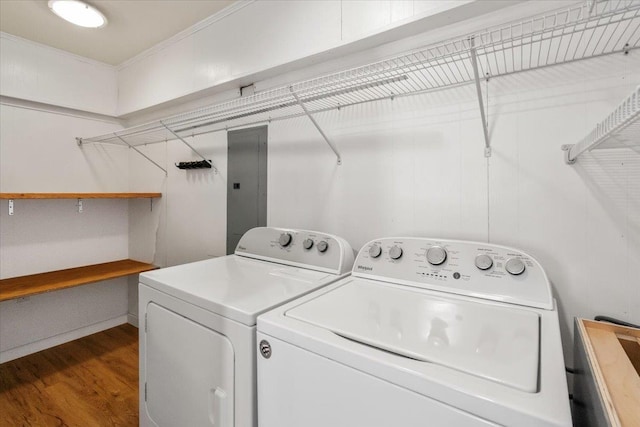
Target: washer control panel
{"points": [[303, 248], [473, 269]]}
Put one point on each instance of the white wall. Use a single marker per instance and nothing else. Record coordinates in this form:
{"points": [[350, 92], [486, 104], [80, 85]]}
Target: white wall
{"points": [[34, 72], [409, 167], [46, 235], [28, 325], [189, 222], [38, 153], [191, 217]]}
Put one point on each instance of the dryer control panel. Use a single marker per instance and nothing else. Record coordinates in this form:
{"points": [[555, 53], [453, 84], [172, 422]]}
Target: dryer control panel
{"points": [[302, 248], [473, 269]]}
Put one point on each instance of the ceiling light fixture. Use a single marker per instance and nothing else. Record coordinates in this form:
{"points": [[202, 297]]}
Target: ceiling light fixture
{"points": [[78, 12]]}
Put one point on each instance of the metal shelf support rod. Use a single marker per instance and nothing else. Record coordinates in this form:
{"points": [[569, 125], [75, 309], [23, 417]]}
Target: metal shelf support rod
{"points": [[141, 153], [335, 150], [476, 75], [215, 170]]}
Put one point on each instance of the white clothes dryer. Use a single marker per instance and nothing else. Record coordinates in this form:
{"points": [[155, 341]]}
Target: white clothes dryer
{"points": [[423, 333], [198, 323]]}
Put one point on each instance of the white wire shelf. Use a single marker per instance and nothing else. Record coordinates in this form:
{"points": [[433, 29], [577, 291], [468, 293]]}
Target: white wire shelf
{"points": [[584, 31], [621, 129]]}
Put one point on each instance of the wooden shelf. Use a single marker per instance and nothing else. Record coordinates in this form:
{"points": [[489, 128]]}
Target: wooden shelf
{"points": [[613, 359], [79, 195], [23, 286]]}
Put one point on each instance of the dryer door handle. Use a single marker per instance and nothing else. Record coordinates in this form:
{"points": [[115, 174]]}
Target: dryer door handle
{"points": [[218, 407]]}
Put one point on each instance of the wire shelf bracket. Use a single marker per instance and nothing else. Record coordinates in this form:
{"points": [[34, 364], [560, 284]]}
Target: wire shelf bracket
{"points": [[590, 29], [81, 142], [301, 104], [142, 154], [483, 117], [620, 129], [215, 170]]}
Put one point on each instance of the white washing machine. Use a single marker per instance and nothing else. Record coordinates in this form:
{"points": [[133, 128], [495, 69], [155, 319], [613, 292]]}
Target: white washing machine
{"points": [[423, 333], [198, 323]]}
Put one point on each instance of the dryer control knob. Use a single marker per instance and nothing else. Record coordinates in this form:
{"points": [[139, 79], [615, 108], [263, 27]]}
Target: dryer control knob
{"points": [[395, 252], [514, 266], [375, 251], [484, 262], [436, 255], [322, 246], [307, 244], [285, 239]]}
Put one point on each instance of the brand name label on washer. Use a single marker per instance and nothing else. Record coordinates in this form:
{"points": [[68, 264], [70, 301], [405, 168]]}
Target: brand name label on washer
{"points": [[362, 267]]}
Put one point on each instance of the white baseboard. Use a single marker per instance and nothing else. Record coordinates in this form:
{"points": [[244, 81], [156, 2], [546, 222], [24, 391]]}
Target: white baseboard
{"points": [[132, 319], [37, 346]]}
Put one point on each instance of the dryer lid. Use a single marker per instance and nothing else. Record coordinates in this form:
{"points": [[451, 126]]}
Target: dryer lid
{"points": [[487, 340], [235, 287]]}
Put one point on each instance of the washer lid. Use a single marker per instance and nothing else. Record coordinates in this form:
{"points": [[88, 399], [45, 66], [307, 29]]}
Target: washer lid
{"points": [[489, 341], [235, 287]]}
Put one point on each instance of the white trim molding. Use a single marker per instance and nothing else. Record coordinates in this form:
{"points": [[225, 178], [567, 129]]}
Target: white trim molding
{"points": [[34, 347]]}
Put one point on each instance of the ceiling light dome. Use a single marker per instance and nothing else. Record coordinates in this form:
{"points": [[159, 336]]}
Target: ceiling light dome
{"points": [[78, 12]]}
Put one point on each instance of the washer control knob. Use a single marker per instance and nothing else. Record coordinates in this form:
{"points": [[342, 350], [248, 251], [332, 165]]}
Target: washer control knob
{"points": [[395, 252], [285, 239], [322, 246], [307, 244], [514, 266], [484, 262], [375, 251], [436, 255]]}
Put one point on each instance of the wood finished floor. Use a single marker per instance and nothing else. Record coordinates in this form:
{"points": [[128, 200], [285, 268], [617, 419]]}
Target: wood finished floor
{"points": [[92, 381]]}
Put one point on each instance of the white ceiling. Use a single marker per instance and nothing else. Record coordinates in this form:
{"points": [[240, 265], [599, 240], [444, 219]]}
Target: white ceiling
{"points": [[133, 25]]}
